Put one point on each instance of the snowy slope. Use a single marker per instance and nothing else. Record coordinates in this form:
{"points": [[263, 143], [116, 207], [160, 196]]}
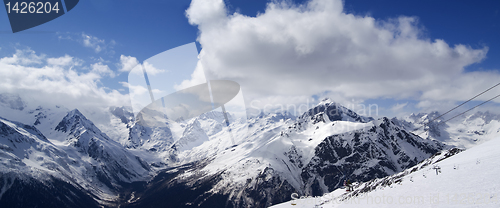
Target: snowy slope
{"points": [[22, 144], [109, 158], [464, 179], [256, 162], [464, 131], [192, 136], [380, 150], [282, 155], [30, 165], [78, 154], [213, 122]]}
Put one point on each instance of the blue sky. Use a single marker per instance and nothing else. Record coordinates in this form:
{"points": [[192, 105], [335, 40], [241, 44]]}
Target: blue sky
{"points": [[145, 28], [476, 23], [142, 29]]}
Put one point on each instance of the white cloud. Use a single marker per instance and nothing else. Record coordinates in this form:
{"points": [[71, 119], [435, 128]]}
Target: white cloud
{"points": [[57, 83], [102, 69], [93, 42], [197, 77], [398, 106], [206, 12], [127, 63], [135, 90], [90, 41], [65, 60], [24, 57], [151, 70], [291, 51]]}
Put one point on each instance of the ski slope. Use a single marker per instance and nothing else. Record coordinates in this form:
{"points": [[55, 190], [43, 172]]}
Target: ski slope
{"points": [[467, 179]]}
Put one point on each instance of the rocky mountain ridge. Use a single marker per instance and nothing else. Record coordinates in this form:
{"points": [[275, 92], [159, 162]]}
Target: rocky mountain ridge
{"points": [[256, 162]]}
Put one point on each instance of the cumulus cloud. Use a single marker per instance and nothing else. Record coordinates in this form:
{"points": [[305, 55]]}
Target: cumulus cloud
{"points": [[127, 63], [197, 77], [102, 69], [291, 51], [63, 61], [151, 70], [135, 90], [206, 12], [24, 57], [58, 82]]}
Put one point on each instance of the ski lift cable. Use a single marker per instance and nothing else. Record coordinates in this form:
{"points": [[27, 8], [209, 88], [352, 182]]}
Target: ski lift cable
{"points": [[473, 107], [457, 107], [466, 111]]}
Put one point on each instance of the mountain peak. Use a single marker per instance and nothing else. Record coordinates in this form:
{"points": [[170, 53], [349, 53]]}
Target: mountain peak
{"points": [[21, 132], [424, 117], [75, 123], [334, 112], [193, 136], [487, 116], [325, 101], [71, 119], [124, 113], [75, 112]]}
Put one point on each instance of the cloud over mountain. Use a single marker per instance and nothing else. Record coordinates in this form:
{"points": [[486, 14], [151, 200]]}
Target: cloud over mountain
{"points": [[57, 80], [317, 48]]}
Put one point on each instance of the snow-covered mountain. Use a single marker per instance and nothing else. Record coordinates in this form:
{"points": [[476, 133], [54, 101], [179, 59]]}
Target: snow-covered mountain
{"points": [[71, 154], [34, 171], [327, 109], [193, 136], [464, 131], [380, 150], [310, 155], [451, 178], [113, 160], [112, 163]]}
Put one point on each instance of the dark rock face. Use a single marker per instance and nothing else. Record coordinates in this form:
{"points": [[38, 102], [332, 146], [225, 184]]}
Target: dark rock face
{"points": [[52, 192], [166, 190], [113, 164], [125, 115], [363, 155], [360, 155], [269, 189]]}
